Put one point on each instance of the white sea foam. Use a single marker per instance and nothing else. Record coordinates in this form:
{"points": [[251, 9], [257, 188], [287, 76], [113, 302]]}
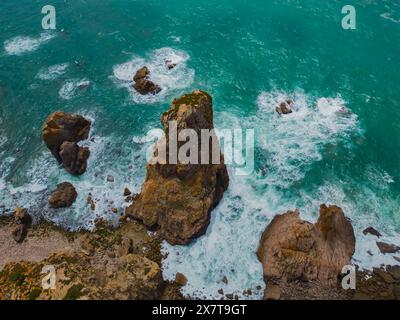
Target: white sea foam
{"points": [[52, 72], [20, 45], [71, 87], [44, 174], [290, 145], [177, 78], [295, 141]]}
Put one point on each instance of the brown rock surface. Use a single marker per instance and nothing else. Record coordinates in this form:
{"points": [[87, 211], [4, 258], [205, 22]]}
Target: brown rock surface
{"points": [[285, 107], [292, 250], [387, 247], [61, 128], [142, 83], [63, 196], [74, 157], [179, 198]]}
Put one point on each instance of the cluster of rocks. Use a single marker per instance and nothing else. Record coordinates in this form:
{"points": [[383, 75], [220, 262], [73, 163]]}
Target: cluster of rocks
{"points": [[61, 133], [143, 84], [178, 198], [384, 248], [300, 260]]}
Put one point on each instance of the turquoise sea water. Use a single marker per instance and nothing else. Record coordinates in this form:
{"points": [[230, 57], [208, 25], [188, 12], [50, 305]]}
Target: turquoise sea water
{"points": [[248, 55]]}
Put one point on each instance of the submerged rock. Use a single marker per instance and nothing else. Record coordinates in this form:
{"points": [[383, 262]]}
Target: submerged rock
{"points": [[285, 107], [142, 83], [61, 127], [179, 198], [372, 231], [170, 65], [64, 196], [387, 247], [293, 250]]}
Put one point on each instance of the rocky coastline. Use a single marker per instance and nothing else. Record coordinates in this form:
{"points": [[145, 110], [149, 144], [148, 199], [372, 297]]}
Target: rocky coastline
{"points": [[300, 260]]}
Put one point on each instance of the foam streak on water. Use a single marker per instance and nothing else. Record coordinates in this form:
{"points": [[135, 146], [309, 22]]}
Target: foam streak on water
{"points": [[21, 45]]}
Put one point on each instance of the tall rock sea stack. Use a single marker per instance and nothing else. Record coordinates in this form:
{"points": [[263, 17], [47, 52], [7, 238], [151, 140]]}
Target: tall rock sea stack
{"points": [[301, 258], [178, 197]]}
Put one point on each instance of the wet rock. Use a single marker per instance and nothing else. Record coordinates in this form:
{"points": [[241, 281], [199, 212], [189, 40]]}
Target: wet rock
{"points": [[180, 279], [387, 248], [178, 198], [142, 83], [225, 280], [293, 250], [127, 192], [19, 233], [63, 196], [60, 127], [74, 157], [397, 259], [285, 107], [90, 202], [146, 86], [371, 230], [141, 74], [110, 178], [170, 65]]}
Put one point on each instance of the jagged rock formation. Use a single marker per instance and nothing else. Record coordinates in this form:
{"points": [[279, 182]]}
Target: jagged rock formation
{"points": [[142, 83], [178, 198], [63, 196], [61, 133], [292, 250]]}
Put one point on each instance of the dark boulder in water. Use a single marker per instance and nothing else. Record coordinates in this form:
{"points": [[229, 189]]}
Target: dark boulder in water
{"points": [[285, 107], [387, 248], [170, 65], [141, 74], [63, 127], [373, 231], [74, 157], [63, 196], [142, 83]]}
